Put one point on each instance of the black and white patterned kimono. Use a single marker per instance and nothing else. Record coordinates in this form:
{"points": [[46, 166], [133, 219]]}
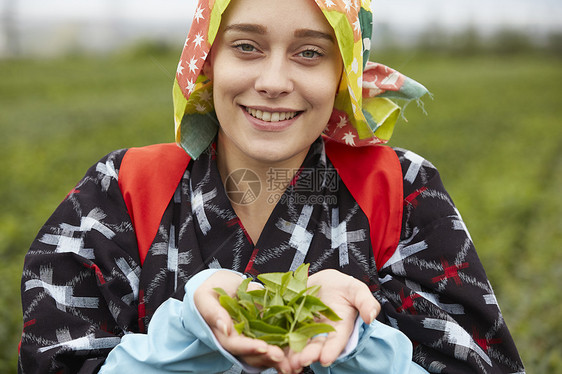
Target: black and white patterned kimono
{"points": [[83, 285]]}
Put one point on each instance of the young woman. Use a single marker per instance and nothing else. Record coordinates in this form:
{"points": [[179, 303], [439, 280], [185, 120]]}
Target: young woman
{"points": [[278, 113]]}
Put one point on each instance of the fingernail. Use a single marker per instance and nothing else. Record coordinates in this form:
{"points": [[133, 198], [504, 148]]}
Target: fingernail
{"points": [[222, 327], [372, 316], [308, 363], [262, 349], [277, 358], [326, 364]]}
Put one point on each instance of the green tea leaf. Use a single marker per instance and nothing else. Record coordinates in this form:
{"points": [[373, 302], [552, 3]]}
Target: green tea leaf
{"points": [[280, 340], [259, 297], [276, 299], [250, 307], [297, 341], [297, 283], [315, 305], [257, 294], [282, 313], [245, 323], [231, 305], [220, 291], [273, 281], [241, 291], [259, 326], [303, 313], [240, 327], [312, 290], [312, 329], [276, 311], [301, 275], [330, 314], [285, 279], [296, 298]]}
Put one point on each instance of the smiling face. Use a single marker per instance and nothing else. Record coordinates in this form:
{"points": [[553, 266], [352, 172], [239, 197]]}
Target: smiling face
{"points": [[275, 70]]}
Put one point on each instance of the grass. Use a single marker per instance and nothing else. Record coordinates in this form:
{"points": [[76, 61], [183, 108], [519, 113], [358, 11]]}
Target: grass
{"points": [[493, 131]]}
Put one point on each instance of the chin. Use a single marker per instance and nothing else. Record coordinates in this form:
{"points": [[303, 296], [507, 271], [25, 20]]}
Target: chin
{"points": [[275, 154], [272, 156]]}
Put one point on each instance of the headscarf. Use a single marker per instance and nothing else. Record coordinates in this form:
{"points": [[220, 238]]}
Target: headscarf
{"points": [[363, 113]]}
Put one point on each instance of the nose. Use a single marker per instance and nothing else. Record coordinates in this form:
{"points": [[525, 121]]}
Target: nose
{"points": [[274, 78]]}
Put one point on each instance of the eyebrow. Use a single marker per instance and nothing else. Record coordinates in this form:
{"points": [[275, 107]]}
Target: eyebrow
{"points": [[259, 29], [308, 33], [246, 27]]}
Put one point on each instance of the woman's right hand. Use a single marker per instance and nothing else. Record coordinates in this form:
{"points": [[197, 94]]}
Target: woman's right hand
{"points": [[253, 352]]}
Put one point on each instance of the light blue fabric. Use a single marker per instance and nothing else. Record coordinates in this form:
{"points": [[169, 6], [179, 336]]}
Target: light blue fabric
{"points": [[180, 341], [380, 349]]}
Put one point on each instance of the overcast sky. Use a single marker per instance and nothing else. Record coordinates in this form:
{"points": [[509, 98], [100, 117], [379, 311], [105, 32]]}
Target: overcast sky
{"points": [[171, 18], [408, 11]]}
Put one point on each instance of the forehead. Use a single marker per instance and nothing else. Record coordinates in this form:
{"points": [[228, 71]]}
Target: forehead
{"points": [[276, 16]]}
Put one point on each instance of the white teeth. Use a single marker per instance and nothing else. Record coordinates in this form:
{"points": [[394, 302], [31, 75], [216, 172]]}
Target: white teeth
{"points": [[270, 116]]}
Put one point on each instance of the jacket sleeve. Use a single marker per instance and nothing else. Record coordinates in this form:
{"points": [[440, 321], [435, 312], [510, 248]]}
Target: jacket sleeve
{"points": [[378, 348], [434, 287], [80, 278], [179, 340]]}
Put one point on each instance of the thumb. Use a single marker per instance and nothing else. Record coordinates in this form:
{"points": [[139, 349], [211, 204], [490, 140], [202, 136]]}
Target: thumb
{"points": [[364, 301]]}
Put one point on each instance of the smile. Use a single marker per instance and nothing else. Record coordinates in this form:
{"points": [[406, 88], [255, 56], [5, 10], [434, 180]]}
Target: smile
{"points": [[270, 116]]}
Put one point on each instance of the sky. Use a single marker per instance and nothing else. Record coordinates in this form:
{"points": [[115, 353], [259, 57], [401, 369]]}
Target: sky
{"points": [[104, 22], [417, 11]]}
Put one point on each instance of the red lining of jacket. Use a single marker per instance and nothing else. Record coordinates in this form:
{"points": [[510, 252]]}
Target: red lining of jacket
{"points": [[149, 176]]}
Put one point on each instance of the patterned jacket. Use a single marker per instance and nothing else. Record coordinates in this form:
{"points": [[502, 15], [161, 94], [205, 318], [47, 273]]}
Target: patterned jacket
{"points": [[83, 285]]}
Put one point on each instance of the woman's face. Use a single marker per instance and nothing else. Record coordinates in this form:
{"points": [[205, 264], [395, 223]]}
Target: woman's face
{"points": [[275, 67]]}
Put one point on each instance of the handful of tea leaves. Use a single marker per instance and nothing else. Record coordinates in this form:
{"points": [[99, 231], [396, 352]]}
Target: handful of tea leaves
{"points": [[283, 313]]}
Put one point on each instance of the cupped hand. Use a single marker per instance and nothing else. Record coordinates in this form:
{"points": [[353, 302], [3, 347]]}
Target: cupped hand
{"points": [[347, 297], [254, 352]]}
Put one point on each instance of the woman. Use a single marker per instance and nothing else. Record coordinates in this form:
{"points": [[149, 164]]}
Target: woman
{"points": [[122, 275]]}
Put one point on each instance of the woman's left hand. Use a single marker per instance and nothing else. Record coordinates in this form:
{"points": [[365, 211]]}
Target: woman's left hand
{"points": [[346, 296]]}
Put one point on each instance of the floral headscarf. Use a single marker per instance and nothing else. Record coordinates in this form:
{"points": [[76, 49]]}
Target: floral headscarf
{"points": [[363, 112]]}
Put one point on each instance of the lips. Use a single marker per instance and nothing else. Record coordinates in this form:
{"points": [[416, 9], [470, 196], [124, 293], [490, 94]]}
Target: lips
{"points": [[270, 116]]}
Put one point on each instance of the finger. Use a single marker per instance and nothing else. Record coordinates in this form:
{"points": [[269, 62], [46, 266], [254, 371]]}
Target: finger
{"points": [[255, 352], [365, 303], [214, 314], [273, 357], [207, 301], [331, 350], [253, 286], [337, 340], [240, 345]]}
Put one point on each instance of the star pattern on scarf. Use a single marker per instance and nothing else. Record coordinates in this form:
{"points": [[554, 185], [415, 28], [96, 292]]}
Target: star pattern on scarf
{"points": [[198, 14], [349, 138]]}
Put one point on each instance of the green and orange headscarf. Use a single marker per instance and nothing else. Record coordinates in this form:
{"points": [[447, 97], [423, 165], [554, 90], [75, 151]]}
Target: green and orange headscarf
{"points": [[363, 110]]}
